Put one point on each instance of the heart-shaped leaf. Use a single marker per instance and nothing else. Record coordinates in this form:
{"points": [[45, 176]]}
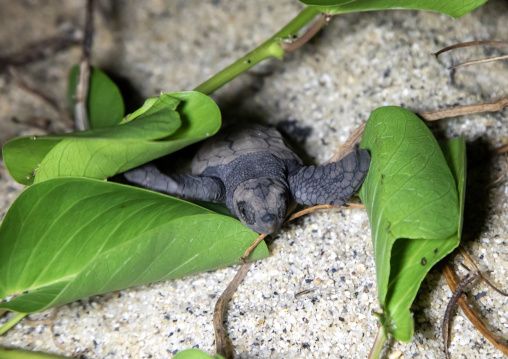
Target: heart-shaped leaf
{"points": [[68, 238]]}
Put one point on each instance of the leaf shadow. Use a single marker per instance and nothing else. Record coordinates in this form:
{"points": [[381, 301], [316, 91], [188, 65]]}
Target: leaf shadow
{"points": [[132, 98], [477, 206]]}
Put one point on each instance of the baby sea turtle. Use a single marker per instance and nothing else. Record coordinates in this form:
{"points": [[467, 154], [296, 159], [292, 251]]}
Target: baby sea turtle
{"points": [[256, 174]]}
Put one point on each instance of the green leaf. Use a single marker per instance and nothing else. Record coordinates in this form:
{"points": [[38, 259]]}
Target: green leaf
{"points": [[454, 8], [104, 102], [196, 354], [16, 353], [143, 109], [172, 122], [456, 158], [413, 204], [69, 238]]}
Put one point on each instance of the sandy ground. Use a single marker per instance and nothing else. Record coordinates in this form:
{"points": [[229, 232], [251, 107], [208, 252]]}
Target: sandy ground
{"points": [[358, 63]]}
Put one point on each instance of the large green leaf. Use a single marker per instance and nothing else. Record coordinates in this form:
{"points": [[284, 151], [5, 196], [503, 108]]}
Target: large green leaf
{"points": [[69, 238], [170, 123], [16, 353], [196, 354], [453, 8], [104, 101], [413, 204]]}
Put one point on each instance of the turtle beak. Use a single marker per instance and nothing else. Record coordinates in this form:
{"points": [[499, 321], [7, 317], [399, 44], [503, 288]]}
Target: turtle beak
{"points": [[268, 223]]}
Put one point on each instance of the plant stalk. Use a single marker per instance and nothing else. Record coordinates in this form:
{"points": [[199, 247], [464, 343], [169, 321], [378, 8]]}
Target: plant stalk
{"points": [[379, 343], [273, 47], [11, 323]]}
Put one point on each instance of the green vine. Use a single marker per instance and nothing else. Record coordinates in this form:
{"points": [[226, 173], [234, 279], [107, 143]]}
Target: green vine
{"points": [[273, 47]]}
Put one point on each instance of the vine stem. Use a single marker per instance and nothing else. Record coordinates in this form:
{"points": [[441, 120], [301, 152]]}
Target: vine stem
{"points": [[11, 323], [273, 47], [379, 343]]}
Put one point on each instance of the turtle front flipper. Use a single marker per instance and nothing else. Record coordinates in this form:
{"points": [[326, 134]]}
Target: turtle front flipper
{"points": [[199, 188], [332, 183]]}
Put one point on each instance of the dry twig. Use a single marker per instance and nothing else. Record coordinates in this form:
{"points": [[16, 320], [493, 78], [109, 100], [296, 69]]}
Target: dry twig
{"points": [[453, 283], [40, 50], [309, 34], [471, 43], [252, 247], [474, 43], [349, 145], [62, 114], [84, 71], [479, 61], [473, 265], [500, 150], [457, 293], [220, 309], [493, 106], [304, 292], [323, 206]]}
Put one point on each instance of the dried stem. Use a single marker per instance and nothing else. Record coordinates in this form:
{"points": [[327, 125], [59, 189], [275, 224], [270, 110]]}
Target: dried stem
{"points": [[474, 43], [252, 247], [84, 71], [62, 114], [473, 265], [304, 292], [467, 279], [220, 309], [471, 43], [453, 281], [500, 150], [496, 105], [323, 206], [479, 61], [309, 34], [349, 145], [40, 50]]}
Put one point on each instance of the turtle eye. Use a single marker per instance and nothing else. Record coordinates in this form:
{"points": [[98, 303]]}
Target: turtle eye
{"points": [[244, 213]]}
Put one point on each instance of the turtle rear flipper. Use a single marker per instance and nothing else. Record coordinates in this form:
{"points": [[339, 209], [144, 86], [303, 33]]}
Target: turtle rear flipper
{"points": [[332, 183], [199, 188]]}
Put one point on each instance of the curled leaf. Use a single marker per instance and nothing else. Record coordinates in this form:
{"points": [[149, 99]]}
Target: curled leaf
{"points": [[172, 122], [413, 198]]}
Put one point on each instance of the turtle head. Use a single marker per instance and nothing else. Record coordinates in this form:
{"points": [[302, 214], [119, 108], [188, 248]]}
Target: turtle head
{"points": [[261, 204]]}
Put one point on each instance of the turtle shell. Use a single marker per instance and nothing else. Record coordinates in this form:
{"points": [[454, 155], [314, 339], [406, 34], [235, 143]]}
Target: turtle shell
{"points": [[238, 141]]}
